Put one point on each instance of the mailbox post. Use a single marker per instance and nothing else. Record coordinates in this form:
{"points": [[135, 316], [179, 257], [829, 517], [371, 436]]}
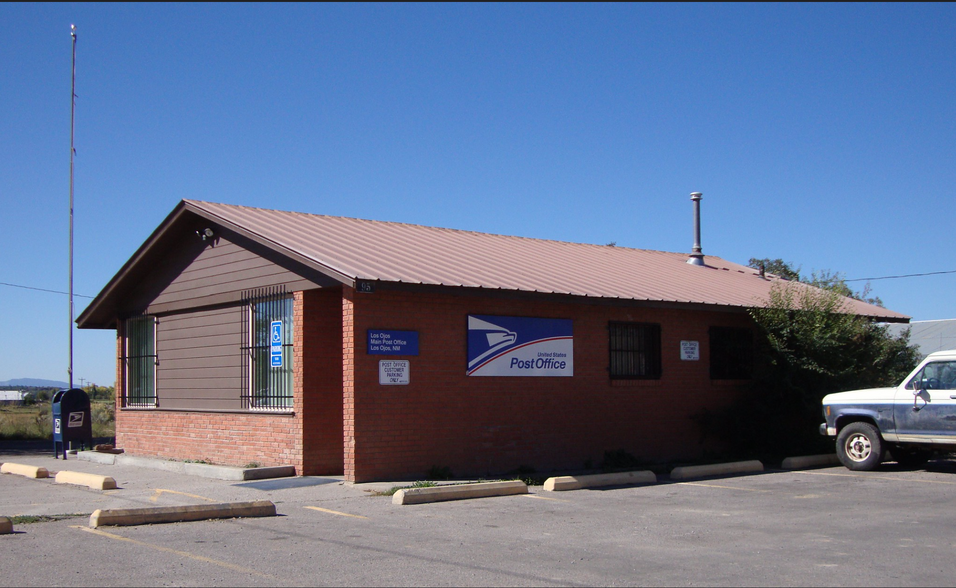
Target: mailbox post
{"points": [[71, 420]]}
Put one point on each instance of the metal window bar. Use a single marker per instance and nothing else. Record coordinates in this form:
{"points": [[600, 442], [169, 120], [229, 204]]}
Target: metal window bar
{"points": [[140, 360], [634, 350], [267, 383]]}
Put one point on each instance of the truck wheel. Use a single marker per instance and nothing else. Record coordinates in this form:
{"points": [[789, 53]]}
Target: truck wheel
{"points": [[859, 447]]}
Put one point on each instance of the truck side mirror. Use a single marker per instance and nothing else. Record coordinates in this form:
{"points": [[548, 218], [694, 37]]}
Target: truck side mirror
{"points": [[917, 395]]}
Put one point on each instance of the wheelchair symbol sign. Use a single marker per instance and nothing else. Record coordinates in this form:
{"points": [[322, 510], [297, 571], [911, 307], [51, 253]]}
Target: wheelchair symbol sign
{"points": [[276, 343]]}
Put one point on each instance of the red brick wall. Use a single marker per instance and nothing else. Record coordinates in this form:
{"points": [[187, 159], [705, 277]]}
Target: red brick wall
{"points": [[319, 366], [490, 425], [348, 381], [219, 438]]}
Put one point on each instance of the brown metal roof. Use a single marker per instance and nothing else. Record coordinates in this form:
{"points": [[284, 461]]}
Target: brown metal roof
{"points": [[354, 249]]}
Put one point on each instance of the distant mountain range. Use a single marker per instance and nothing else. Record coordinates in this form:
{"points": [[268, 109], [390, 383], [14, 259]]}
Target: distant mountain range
{"points": [[34, 382]]}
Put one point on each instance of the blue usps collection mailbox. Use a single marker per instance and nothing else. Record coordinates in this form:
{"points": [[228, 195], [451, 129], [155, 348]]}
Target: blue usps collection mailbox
{"points": [[71, 420]]}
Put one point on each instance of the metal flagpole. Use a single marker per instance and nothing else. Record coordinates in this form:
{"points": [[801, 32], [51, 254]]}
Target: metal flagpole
{"points": [[72, 153]]}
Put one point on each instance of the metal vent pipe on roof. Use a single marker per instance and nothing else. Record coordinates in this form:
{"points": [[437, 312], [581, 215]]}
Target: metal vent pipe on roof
{"points": [[696, 257]]}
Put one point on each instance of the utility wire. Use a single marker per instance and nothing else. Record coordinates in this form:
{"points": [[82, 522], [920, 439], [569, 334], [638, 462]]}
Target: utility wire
{"points": [[41, 289], [853, 280], [903, 276]]}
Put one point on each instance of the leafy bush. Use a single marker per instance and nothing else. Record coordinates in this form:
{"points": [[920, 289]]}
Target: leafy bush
{"points": [[810, 346]]}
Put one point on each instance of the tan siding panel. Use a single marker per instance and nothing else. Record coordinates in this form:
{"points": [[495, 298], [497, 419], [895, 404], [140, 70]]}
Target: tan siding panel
{"points": [[213, 316], [185, 359], [224, 264], [192, 330], [198, 343], [226, 268], [192, 278], [289, 280], [203, 376], [200, 360], [232, 281], [215, 354]]}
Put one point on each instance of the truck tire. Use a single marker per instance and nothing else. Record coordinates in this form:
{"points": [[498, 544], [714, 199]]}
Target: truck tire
{"points": [[859, 447]]}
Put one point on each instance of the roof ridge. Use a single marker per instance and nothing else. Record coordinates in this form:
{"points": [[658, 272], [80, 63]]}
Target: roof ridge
{"points": [[434, 228]]}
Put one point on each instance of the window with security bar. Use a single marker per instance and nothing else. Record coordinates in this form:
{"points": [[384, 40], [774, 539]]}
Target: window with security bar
{"points": [[731, 353], [140, 360], [267, 351], [635, 351]]}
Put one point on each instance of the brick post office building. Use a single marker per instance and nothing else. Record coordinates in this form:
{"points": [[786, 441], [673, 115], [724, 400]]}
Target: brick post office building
{"points": [[381, 350]]}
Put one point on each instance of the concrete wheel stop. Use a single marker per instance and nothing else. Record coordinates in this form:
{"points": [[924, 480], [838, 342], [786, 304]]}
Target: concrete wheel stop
{"points": [[716, 469], [562, 483], [458, 492], [179, 514]]}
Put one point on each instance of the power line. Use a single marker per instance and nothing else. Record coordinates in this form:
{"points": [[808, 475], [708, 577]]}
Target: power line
{"points": [[903, 276], [41, 289]]}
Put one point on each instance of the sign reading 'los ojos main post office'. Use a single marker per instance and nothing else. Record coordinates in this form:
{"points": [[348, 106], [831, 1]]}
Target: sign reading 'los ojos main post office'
{"points": [[520, 346], [388, 342]]}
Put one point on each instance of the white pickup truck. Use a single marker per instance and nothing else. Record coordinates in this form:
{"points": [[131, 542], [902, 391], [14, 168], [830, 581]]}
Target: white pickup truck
{"points": [[913, 420]]}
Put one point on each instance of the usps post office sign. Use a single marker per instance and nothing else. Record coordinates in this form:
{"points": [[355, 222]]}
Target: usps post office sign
{"points": [[520, 346]]}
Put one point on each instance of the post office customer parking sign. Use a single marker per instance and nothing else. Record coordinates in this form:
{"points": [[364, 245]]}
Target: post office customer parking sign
{"points": [[520, 346], [394, 372]]}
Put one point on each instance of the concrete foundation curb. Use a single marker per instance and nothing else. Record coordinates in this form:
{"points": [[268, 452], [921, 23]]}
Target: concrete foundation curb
{"points": [[717, 469], [97, 457], [810, 461], [24, 470], [562, 483], [268, 473], [458, 492], [237, 474], [203, 470], [177, 514], [91, 481], [6, 526]]}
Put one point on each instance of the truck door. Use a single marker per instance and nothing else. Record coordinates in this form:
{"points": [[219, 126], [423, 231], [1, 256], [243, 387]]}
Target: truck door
{"points": [[925, 408]]}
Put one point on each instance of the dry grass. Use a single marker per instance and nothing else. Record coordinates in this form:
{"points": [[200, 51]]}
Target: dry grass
{"points": [[36, 422]]}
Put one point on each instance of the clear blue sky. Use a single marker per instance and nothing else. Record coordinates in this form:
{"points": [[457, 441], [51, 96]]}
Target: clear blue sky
{"points": [[820, 134]]}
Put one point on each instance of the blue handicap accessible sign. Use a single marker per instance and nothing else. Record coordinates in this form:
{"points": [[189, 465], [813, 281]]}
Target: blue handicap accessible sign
{"points": [[276, 343]]}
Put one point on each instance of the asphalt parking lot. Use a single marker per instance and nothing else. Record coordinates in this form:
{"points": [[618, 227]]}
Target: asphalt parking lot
{"points": [[824, 526]]}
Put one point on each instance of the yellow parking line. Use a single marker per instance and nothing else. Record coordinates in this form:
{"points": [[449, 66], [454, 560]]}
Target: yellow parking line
{"points": [[335, 512], [543, 497], [719, 486], [173, 551], [159, 492], [872, 477]]}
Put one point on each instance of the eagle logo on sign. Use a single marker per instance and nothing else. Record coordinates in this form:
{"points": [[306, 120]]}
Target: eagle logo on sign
{"points": [[76, 420]]}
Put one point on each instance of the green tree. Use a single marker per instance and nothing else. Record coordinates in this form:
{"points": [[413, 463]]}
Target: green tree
{"points": [[779, 267], [808, 346], [825, 279]]}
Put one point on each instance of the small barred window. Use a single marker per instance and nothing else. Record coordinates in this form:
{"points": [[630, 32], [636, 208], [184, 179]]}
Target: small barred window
{"points": [[635, 350]]}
